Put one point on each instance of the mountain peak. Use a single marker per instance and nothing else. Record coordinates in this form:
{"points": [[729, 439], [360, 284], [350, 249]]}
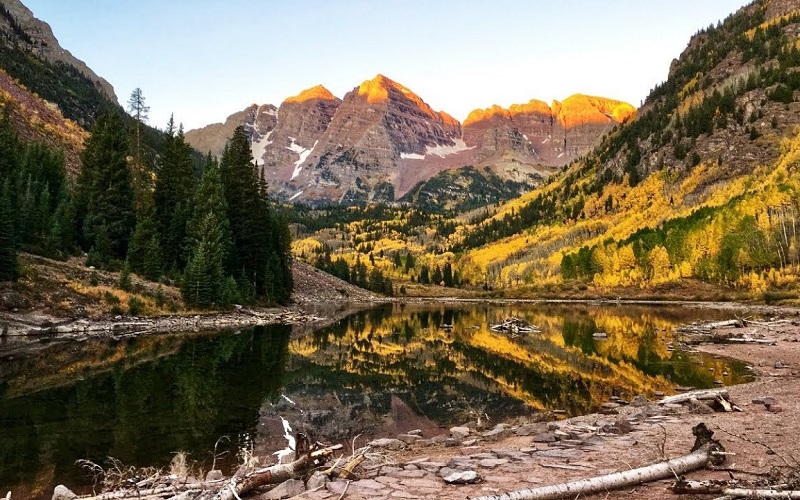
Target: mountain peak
{"points": [[317, 92], [377, 89], [581, 109]]}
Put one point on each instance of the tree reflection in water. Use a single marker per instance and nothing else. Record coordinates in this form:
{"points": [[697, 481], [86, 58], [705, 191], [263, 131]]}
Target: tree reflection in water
{"points": [[142, 399]]}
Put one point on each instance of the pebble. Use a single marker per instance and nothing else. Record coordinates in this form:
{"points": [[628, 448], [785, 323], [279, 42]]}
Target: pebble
{"points": [[215, 475], [459, 432], [409, 438], [531, 429], [317, 480], [61, 492]]}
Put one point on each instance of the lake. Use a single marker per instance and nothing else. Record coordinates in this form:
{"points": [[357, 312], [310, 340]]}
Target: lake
{"points": [[374, 373]]}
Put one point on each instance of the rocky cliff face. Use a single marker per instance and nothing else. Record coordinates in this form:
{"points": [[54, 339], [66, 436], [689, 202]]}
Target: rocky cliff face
{"points": [[18, 25], [538, 133], [301, 121], [382, 140]]}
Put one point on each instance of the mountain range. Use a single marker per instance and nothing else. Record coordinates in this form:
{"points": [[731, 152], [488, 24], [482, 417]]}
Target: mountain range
{"points": [[381, 140]]}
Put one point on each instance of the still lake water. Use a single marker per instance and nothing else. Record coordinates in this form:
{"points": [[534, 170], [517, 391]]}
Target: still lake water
{"points": [[385, 370]]}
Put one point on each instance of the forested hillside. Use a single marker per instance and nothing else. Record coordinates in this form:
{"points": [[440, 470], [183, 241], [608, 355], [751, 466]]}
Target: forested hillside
{"points": [[702, 185], [219, 237], [698, 190]]}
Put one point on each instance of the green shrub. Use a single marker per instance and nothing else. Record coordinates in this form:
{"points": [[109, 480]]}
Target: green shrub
{"points": [[135, 306]]}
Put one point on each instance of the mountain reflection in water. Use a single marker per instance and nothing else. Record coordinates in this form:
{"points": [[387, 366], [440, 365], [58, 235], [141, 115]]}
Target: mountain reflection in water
{"points": [[386, 370]]}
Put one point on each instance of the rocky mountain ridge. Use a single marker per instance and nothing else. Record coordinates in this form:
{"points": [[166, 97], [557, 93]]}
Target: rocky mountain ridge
{"points": [[382, 139], [18, 25]]}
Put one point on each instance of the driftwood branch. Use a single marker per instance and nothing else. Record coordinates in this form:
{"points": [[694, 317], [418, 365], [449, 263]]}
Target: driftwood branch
{"points": [[759, 493], [274, 474], [707, 394], [723, 488], [229, 489], [705, 453]]}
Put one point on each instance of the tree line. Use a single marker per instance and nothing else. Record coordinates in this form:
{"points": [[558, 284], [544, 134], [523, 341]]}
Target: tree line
{"points": [[218, 236]]}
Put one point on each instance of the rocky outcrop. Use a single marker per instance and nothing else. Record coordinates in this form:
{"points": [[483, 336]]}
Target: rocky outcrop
{"points": [[18, 25], [258, 120]]}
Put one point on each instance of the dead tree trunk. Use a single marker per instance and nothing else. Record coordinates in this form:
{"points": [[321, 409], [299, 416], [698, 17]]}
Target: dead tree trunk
{"points": [[703, 455], [731, 491]]}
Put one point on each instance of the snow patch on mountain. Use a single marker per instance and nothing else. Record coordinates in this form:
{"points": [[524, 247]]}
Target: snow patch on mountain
{"points": [[441, 151], [259, 147], [412, 156], [303, 152]]}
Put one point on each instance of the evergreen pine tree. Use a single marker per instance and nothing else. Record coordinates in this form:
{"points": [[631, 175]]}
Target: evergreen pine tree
{"points": [[248, 214], [409, 262], [9, 269], [105, 191], [424, 277], [208, 245], [204, 277], [173, 191], [9, 146], [125, 281], [447, 275], [436, 276], [62, 238], [144, 251]]}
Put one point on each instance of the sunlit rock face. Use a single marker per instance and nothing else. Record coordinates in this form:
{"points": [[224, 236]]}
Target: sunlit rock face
{"points": [[536, 132], [364, 151]]}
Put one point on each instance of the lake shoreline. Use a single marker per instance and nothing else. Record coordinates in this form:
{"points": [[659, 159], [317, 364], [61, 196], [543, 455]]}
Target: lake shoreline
{"points": [[667, 428]]}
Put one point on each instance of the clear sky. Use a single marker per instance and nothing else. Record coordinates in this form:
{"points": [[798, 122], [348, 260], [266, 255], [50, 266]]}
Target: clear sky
{"points": [[206, 59]]}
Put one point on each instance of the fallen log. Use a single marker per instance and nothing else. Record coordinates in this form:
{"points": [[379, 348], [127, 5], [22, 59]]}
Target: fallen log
{"points": [[724, 488], [760, 493], [745, 340], [705, 453], [704, 394]]}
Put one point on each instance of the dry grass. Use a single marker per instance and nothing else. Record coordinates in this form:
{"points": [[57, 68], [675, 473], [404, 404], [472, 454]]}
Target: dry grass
{"points": [[70, 288]]}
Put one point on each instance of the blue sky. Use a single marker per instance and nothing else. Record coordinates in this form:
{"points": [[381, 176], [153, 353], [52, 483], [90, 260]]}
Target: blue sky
{"points": [[203, 60]]}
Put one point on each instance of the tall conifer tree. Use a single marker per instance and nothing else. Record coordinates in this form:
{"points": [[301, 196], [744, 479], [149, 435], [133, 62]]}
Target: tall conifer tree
{"points": [[173, 191], [9, 270], [208, 244], [261, 260], [105, 189]]}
